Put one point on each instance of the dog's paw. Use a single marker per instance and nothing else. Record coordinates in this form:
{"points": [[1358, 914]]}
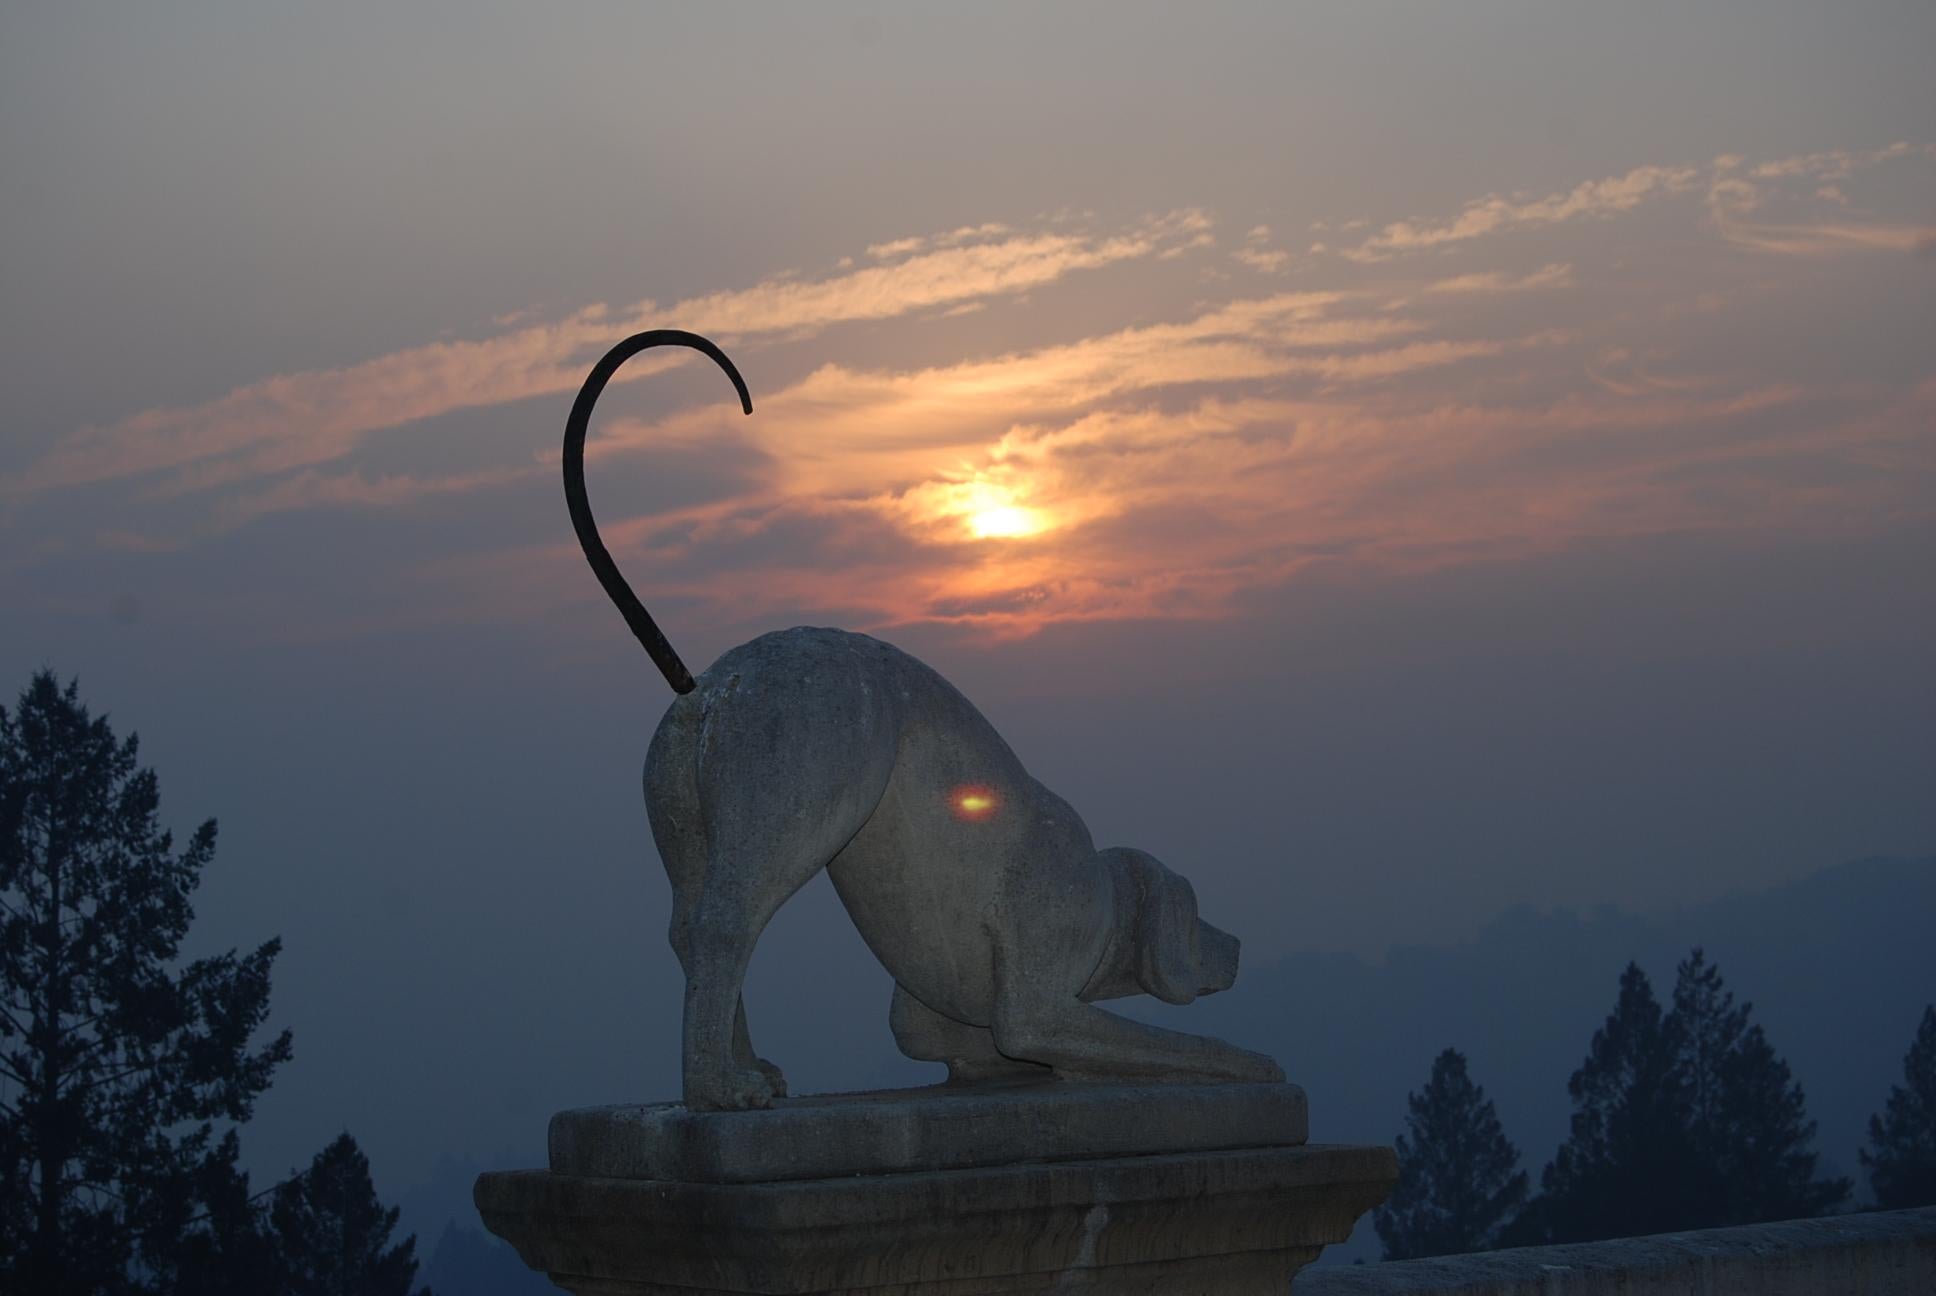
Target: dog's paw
{"points": [[737, 1089], [775, 1078]]}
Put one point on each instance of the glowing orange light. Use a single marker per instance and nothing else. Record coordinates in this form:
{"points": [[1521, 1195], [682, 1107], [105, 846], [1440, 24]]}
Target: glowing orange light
{"points": [[974, 802], [1004, 522]]}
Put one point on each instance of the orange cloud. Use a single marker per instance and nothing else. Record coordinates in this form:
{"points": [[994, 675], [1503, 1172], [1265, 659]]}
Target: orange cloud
{"points": [[1822, 227], [1494, 213], [302, 419], [841, 428], [1159, 513], [1830, 164], [1259, 255], [310, 489], [1073, 469], [1618, 194], [1556, 275]]}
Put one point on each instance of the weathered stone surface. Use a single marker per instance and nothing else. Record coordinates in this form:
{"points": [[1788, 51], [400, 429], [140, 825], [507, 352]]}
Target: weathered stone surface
{"points": [[979, 889], [944, 1127], [1882, 1253], [1236, 1223]]}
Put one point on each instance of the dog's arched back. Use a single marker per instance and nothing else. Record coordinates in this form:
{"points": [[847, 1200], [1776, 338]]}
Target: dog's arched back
{"points": [[641, 622]]}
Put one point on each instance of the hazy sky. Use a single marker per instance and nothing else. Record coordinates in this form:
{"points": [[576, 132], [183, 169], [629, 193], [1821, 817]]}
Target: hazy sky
{"points": [[1391, 460]]}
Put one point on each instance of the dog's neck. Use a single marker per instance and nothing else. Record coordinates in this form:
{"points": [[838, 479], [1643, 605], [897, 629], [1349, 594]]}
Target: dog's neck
{"points": [[1115, 976]]}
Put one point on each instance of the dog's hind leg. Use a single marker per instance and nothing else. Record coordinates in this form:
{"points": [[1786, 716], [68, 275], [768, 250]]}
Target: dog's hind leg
{"points": [[785, 776], [720, 1073], [745, 1061], [743, 1056], [1038, 1019], [678, 828], [928, 1036], [745, 886], [672, 806]]}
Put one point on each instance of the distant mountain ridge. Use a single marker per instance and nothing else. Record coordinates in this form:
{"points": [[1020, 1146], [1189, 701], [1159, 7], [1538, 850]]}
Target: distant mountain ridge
{"points": [[1838, 966]]}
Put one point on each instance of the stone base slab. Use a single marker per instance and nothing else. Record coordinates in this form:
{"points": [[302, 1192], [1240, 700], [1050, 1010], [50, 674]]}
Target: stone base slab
{"points": [[1233, 1222], [942, 1127]]}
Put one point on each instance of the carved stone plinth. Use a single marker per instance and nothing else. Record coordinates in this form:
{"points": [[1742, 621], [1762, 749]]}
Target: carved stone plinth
{"points": [[1108, 1202]]}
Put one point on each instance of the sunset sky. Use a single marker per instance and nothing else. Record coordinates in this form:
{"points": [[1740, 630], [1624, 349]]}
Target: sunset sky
{"points": [[1393, 461]]}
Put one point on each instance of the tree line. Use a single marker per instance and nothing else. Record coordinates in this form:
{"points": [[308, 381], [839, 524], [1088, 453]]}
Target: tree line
{"points": [[1684, 1117], [125, 1076]]}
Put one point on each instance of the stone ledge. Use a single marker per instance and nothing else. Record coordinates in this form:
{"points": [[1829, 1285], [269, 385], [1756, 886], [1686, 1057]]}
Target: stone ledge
{"points": [[1235, 1222], [1879, 1253], [942, 1127]]}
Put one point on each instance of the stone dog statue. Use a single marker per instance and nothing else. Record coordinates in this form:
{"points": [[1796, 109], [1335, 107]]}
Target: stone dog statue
{"points": [[977, 888]]}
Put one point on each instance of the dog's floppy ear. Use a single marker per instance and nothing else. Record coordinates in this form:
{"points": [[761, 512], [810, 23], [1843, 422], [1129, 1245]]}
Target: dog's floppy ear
{"points": [[1166, 928]]}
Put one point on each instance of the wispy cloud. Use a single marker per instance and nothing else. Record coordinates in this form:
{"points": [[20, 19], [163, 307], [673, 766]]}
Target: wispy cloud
{"points": [[894, 249], [1557, 275], [1494, 213], [902, 421], [1829, 164], [1258, 254], [1077, 468], [1146, 511], [303, 419], [1738, 208], [1730, 174], [310, 489], [1263, 260]]}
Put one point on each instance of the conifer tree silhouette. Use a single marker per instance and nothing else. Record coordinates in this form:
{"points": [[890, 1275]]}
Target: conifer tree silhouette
{"points": [[1682, 1120], [1901, 1156], [1618, 1173], [1458, 1176], [116, 1065], [333, 1235], [1748, 1125]]}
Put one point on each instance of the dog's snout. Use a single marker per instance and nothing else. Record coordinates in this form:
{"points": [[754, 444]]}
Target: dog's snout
{"points": [[1216, 957]]}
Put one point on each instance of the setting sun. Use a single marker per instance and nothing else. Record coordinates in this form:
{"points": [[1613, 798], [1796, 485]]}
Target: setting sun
{"points": [[956, 506], [1004, 522]]}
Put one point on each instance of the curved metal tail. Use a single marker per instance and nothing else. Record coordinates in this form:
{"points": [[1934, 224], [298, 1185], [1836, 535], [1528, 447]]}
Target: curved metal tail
{"points": [[620, 593]]}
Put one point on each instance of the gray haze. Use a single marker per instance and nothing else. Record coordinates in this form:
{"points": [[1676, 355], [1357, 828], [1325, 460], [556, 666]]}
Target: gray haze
{"points": [[1396, 463]]}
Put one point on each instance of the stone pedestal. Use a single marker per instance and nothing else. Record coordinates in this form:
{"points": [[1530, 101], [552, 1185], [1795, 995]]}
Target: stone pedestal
{"points": [[952, 1190]]}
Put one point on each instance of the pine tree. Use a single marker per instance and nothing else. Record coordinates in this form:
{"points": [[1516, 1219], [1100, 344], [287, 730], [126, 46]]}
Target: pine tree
{"points": [[223, 1248], [1761, 1141], [1682, 1120], [333, 1234], [1901, 1156], [1624, 1169], [1458, 1178], [1747, 1119], [114, 1066], [1710, 1026]]}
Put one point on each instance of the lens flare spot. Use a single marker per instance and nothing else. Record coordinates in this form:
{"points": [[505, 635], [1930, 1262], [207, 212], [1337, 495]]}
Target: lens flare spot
{"points": [[973, 801]]}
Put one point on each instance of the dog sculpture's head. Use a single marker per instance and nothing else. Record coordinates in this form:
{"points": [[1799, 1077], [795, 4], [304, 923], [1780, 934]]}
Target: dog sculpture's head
{"points": [[1160, 946]]}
